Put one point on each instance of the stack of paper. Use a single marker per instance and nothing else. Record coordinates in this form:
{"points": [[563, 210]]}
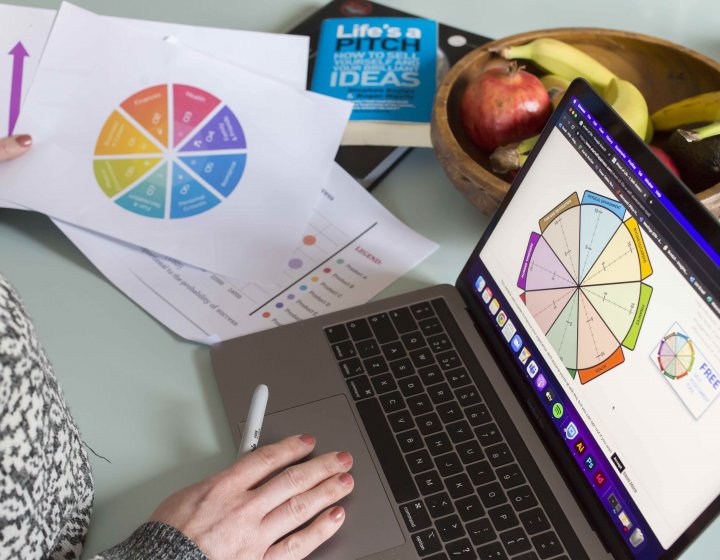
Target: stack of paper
{"points": [[192, 168]]}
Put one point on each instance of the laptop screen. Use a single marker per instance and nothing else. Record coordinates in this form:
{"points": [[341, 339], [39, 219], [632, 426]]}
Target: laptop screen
{"points": [[606, 298]]}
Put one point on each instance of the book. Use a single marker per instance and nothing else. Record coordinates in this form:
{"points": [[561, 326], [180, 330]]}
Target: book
{"points": [[369, 164], [387, 67]]}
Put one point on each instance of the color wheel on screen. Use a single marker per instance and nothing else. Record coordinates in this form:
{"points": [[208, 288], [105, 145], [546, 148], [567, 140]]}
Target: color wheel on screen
{"points": [[676, 355], [170, 151], [582, 280]]}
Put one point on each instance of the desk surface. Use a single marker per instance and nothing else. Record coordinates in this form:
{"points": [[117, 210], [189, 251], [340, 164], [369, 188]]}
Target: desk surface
{"points": [[146, 399]]}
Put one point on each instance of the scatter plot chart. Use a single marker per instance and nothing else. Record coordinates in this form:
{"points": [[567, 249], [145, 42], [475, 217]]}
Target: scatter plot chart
{"points": [[170, 151], [582, 280]]}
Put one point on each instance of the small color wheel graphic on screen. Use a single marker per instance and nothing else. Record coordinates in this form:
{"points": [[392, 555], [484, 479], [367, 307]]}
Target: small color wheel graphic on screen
{"points": [[170, 151], [676, 355]]}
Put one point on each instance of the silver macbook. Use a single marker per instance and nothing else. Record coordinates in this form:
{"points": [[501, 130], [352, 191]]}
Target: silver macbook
{"points": [[559, 402]]}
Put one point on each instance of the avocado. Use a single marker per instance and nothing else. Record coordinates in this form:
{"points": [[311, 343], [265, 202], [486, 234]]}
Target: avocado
{"points": [[698, 162]]}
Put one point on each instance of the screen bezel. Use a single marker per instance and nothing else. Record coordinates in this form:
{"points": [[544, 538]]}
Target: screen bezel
{"points": [[705, 223]]}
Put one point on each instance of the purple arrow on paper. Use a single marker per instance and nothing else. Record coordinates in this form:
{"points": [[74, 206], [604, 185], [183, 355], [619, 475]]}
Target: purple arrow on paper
{"points": [[18, 53]]}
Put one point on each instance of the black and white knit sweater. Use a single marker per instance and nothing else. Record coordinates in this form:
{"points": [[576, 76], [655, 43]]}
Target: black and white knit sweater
{"points": [[46, 487]]}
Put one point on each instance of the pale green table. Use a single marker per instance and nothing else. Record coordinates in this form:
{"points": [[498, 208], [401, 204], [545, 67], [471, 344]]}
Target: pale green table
{"points": [[146, 399]]}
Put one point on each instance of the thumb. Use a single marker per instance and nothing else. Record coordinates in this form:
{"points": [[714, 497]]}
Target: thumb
{"points": [[14, 146]]}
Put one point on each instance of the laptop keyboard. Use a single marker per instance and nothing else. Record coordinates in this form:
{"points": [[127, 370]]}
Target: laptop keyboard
{"points": [[460, 489]]}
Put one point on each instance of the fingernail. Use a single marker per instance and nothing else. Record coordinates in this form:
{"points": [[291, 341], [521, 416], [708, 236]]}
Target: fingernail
{"points": [[307, 439], [345, 458], [337, 513], [23, 140], [346, 479]]}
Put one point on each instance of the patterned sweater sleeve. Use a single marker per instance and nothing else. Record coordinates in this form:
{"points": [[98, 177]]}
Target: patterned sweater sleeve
{"points": [[46, 486]]}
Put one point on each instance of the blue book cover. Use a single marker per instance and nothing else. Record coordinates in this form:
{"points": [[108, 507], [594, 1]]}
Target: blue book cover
{"points": [[385, 65]]}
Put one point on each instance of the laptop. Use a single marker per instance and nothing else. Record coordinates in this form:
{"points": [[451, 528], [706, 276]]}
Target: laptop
{"points": [[560, 401]]}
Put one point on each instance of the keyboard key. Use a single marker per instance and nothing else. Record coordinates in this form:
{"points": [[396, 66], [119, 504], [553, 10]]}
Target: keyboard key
{"points": [[383, 383], [481, 473], [419, 404], [429, 423], [430, 326], [360, 387], [488, 434], [401, 421], [532, 556], [419, 461], [367, 348], [415, 516], [351, 367], [376, 365], [410, 386], [422, 357], [481, 531], [438, 443], [510, 476], [459, 485], [413, 340], [499, 455], [492, 551], [547, 544], [450, 412], [382, 326], [387, 451], [503, 517], [439, 343], [429, 482], [449, 360], [393, 350], [491, 495], [515, 541], [450, 528], [478, 414], [440, 393], [522, 498], [534, 521], [440, 556], [461, 550], [459, 431], [336, 333], [403, 320], [359, 329], [402, 368], [431, 375], [448, 464], [422, 310], [410, 441], [439, 504], [468, 395], [426, 542], [344, 350], [392, 402], [469, 508], [470, 452], [458, 377]]}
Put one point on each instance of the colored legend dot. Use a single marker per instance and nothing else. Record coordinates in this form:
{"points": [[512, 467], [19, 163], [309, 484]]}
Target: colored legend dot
{"points": [[303, 287], [291, 296], [327, 270], [266, 314], [295, 263], [309, 240], [314, 278], [279, 305], [340, 261]]}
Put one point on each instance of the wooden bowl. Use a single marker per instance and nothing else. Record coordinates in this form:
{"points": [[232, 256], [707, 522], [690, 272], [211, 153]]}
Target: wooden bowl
{"points": [[663, 71]]}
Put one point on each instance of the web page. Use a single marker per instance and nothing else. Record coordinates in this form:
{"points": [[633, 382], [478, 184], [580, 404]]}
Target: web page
{"points": [[626, 330]]}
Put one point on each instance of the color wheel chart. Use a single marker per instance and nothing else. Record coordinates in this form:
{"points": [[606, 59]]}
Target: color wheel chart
{"points": [[170, 151], [582, 282], [676, 355]]}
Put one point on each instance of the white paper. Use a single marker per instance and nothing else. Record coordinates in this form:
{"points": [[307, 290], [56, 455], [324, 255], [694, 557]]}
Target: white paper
{"points": [[83, 78], [351, 249]]}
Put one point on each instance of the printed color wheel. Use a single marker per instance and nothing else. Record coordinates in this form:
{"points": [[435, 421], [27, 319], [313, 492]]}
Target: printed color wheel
{"points": [[170, 151], [582, 281], [676, 355]]}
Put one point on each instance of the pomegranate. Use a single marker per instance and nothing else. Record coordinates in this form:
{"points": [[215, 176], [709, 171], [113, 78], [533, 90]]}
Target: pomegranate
{"points": [[666, 159], [504, 105]]}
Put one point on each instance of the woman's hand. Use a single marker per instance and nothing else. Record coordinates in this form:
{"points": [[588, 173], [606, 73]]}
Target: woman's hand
{"points": [[14, 146], [247, 510]]}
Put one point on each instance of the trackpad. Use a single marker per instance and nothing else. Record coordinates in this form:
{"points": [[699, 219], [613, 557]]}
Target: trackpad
{"points": [[370, 525]]}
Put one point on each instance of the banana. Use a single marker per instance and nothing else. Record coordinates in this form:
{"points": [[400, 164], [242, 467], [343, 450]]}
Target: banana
{"points": [[556, 57], [650, 133], [700, 108], [555, 86], [700, 133], [629, 103]]}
